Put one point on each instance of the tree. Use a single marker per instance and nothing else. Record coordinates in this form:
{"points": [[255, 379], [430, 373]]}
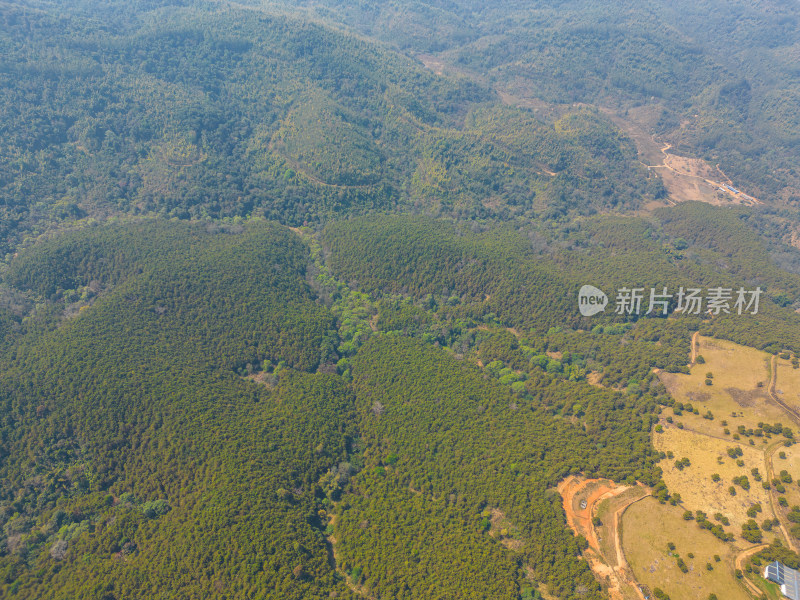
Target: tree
{"points": [[751, 532]]}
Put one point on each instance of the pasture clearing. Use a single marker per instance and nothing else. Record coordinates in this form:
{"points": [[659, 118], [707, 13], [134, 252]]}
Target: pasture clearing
{"points": [[647, 529], [709, 456]]}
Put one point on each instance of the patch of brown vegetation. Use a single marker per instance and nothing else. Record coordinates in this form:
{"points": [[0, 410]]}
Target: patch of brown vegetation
{"points": [[745, 398], [795, 241], [698, 396], [432, 63], [594, 378], [503, 530], [544, 111], [671, 381], [262, 377]]}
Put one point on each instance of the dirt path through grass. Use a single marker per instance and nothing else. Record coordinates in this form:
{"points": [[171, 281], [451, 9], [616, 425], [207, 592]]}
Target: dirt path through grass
{"points": [[739, 564], [622, 568], [768, 454], [773, 380]]}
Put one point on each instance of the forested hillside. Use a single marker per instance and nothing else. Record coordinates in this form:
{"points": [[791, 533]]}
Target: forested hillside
{"points": [[126, 426], [453, 446], [134, 448], [721, 76], [181, 400], [289, 290], [203, 111], [529, 278]]}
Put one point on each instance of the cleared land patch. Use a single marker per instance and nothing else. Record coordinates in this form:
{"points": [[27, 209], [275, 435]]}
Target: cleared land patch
{"points": [[685, 178], [787, 384], [708, 456], [726, 462], [593, 508], [648, 527], [738, 394]]}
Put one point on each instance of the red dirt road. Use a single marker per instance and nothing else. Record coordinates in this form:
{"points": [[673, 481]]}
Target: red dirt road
{"points": [[614, 569]]}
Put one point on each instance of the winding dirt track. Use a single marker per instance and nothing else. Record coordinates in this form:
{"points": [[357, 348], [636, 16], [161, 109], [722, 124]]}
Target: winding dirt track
{"points": [[622, 568], [615, 568], [793, 413], [768, 454], [711, 182], [740, 558], [775, 509], [695, 336]]}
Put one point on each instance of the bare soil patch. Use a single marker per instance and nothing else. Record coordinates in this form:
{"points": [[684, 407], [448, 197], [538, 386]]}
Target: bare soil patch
{"points": [[685, 178], [585, 499], [746, 398]]}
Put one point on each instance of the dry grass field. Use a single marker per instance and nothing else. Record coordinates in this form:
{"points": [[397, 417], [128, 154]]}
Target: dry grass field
{"points": [[647, 528], [707, 456], [787, 384], [740, 400], [738, 395], [629, 543]]}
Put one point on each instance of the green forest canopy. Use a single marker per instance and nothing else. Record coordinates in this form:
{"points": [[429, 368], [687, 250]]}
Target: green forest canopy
{"points": [[137, 444], [197, 401], [128, 433]]}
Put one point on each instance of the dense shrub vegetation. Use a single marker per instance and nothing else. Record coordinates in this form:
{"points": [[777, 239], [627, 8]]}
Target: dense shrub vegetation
{"points": [[190, 112], [720, 78], [198, 401], [134, 449]]}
